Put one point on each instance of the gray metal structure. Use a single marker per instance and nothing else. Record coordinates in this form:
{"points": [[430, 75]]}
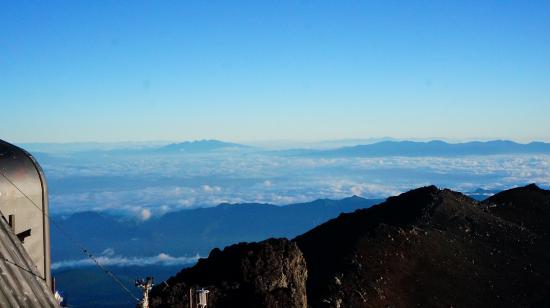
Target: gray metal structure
{"points": [[24, 231], [20, 283]]}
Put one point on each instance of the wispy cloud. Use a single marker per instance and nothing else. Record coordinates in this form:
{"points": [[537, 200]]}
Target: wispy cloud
{"points": [[211, 189]]}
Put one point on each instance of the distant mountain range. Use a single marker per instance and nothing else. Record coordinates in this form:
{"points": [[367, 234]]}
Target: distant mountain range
{"points": [[431, 148], [188, 232], [378, 149], [196, 231], [424, 248]]}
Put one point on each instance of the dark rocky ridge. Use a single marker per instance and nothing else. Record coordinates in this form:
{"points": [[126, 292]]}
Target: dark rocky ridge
{"points": [[527, 206], [427, 248]]}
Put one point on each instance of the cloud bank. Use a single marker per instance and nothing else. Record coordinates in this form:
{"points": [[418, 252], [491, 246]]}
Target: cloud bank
{"points": [[160, 259], [152, 186]]}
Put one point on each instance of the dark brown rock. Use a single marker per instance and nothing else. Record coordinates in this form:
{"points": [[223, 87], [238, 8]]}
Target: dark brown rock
{"points": [[271, 273]]}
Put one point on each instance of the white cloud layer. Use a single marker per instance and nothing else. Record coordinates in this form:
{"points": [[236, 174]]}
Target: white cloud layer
{"points": [[150, 187], [160, 259]]}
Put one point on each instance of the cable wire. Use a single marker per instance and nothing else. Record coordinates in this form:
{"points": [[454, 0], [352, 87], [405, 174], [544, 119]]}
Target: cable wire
{"points": [[20, 267], [86, 252]]}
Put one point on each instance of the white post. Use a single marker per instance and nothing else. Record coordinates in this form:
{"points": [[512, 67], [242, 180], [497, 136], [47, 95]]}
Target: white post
{"points": [[203, 298]]}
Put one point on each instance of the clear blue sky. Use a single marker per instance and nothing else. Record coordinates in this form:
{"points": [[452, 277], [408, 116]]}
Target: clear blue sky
{"points": [[266, 70]]}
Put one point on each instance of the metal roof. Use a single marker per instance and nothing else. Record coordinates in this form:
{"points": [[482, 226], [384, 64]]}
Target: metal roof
{"points": [[24, 203], [20, 282]]}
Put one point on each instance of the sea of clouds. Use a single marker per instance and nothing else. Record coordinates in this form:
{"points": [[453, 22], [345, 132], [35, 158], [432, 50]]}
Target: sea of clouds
{"points": [[145, 186]]}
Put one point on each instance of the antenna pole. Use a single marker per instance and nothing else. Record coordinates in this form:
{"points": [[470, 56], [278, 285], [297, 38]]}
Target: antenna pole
{"points": [[145, 285]]}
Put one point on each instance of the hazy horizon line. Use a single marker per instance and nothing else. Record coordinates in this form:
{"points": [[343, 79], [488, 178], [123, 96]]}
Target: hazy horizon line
{"points": [[286, 140]]}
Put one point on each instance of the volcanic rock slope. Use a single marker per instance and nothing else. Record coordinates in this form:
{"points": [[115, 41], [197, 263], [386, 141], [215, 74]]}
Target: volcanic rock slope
{"points": [[425, 248], [434, 248]]}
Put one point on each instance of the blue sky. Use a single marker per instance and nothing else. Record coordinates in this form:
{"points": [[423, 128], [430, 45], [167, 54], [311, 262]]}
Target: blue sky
{"points": [[274, 70]]}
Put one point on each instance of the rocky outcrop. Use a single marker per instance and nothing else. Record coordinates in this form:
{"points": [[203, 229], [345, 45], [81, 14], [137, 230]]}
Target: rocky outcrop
{"points": [[271, 273]]}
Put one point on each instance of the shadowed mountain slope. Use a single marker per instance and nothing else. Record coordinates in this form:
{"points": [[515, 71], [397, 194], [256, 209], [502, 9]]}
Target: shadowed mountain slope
{"points": [[425, 248], [432, 248]]}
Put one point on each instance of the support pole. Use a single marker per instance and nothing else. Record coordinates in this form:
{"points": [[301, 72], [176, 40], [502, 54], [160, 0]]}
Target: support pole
{"points": [[145, 285]]}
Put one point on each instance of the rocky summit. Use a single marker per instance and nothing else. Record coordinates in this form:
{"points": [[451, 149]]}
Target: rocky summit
{"points": [[425, 248]]}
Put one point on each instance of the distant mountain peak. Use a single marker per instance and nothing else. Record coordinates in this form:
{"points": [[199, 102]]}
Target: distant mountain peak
{"points": [[354, 198], [204, 145]]}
